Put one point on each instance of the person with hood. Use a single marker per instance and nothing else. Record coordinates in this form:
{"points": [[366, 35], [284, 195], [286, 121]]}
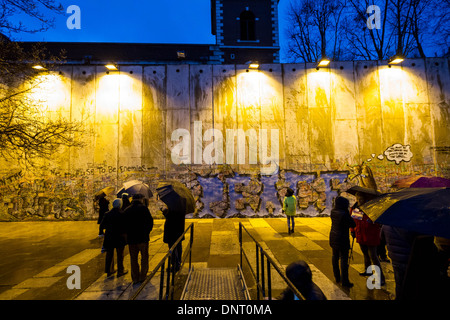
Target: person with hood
{"points": [[300, 275], [139, 224], [115, 238], [341, 222], [289, 208]]}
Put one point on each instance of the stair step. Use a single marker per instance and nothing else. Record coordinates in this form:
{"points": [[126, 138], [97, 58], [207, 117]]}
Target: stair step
{"points": [[214, 284]]}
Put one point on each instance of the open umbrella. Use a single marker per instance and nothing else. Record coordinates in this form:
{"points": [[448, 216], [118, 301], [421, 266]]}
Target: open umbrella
{"points": [[167, 188], [133, 187], [106, 191], [424, 210], [353, 190], [422, 182]]}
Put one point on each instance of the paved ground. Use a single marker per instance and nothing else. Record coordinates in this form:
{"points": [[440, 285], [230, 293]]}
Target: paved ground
{"points": [[36, 255]]}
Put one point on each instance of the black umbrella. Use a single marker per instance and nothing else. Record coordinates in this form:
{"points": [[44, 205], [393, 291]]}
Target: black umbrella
{"points": [[424, 210], [135, 187], [170, 191]]}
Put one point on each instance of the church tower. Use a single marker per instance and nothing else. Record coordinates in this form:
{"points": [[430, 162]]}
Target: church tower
{"points": [[245, 30]]}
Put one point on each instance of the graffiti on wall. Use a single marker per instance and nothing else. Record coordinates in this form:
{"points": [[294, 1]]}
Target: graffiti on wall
{"points": [[221, 193]]}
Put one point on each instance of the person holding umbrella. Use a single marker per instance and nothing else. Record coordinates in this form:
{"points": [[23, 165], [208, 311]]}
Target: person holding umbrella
{"points": [[175, 221], [366, 232], [341, 222]]}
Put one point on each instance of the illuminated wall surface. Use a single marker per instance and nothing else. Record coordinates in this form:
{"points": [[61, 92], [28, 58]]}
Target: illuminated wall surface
{"points": [[317, 131]]}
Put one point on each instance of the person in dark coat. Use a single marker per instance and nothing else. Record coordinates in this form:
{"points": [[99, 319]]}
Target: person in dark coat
{"points": [[341, 222], [115, 238], [103, 207], [367, 234], [300, 275], [125, 201], [174, 224], [139, 224]]}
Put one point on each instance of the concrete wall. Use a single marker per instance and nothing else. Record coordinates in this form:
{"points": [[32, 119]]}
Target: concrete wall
{"points": [[356, 122]]}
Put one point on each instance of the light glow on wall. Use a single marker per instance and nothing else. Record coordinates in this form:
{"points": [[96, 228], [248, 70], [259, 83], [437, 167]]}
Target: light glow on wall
{"points": [[50, 92]]}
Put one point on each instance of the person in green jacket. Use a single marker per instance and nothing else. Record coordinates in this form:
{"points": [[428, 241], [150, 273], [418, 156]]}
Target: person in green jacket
{"points": [[289, 208]]}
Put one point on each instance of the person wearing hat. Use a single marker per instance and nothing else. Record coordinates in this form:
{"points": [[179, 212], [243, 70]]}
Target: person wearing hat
{"points": [[115, 238], [299, 273], [139, 224], [289, 208]]}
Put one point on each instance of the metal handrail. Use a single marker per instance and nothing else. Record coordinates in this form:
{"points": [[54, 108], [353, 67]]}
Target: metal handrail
{"points": [[259, 274], [170, 281]]}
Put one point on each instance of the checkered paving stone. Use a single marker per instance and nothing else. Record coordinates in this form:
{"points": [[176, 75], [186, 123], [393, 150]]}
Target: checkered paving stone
{"points": [[215, 241]]}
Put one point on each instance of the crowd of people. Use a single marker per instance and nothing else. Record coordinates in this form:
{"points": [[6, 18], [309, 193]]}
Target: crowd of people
{"points": [[420, 262], [130, 223]]}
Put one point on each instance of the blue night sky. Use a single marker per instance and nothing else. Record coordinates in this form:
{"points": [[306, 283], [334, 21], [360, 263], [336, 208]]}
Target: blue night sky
{"points": [[135, 21]]}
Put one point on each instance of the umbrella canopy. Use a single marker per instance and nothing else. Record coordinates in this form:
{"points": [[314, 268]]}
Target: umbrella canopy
{"points": [[353, 190], [167, 187], [422, 182], [424, 210], [135, 187], [106, 191]]}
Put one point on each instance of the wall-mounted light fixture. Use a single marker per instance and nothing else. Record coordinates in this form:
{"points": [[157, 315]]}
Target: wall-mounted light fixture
{"points": [[111, 67], [181, 54], [39, 67], [396, 59], [253, 64], [323, 62]]}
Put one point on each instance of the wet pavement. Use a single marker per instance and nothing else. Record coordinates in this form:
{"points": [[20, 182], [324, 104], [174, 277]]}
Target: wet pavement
{"points": [[36, 257]]}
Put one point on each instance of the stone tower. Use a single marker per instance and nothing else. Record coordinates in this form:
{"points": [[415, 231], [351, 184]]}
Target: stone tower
{"points": [[245, 30]]}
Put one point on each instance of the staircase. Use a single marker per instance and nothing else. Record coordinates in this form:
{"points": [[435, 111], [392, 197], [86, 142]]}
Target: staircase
{"points": [[215, 284]]}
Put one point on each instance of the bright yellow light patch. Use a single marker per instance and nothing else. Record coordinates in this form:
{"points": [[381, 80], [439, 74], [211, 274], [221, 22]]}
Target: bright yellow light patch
{"points": [[254, 65], [396, 61], [111, 67], [38, 67], [324, 63], [50, 91]]}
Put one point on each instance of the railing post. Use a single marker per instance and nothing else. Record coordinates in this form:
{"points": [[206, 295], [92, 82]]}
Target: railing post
{"points": [[257, 272], [168, 274], [161, 281], [190, 245], [172, 284], [269, 281], [240, 243], [262, 274]]}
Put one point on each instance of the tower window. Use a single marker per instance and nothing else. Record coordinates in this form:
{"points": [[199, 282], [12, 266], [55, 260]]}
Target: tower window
{"points": [[247, 20]]}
